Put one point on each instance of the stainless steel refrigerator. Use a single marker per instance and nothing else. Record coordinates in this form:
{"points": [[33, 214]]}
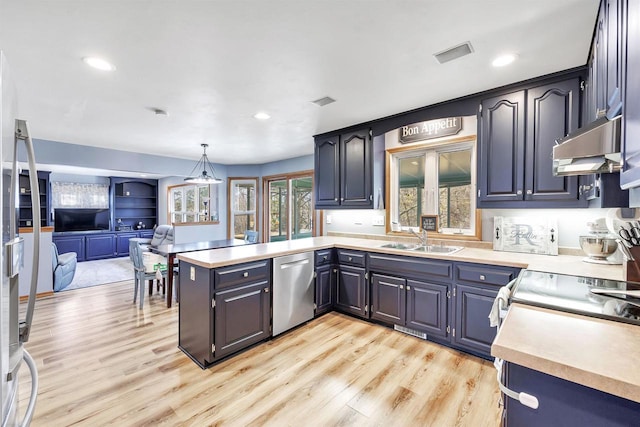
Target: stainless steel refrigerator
{"points": [[14, 332]]}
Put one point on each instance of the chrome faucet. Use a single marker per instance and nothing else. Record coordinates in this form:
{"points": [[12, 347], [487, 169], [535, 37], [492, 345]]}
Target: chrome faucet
{"points": [[422, 237]]}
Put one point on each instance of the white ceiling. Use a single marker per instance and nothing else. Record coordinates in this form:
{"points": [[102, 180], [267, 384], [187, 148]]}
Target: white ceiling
{"points": [[213, 64]]}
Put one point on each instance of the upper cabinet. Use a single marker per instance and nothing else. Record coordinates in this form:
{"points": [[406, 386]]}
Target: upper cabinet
{"points": [[517, 132], [343, 170], [630, 175]]}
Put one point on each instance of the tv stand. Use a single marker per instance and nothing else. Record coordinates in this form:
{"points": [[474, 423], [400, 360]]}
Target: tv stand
{"points": [[93, 245]]}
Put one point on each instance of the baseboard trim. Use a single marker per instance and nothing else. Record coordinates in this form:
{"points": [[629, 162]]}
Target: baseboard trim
{"points": [[24, 298]]}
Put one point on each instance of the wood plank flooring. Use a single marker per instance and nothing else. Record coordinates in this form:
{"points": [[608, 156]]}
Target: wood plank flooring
{"points": [[102, 361]]}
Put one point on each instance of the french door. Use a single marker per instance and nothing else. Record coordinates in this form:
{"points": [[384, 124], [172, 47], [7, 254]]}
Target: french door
{"points": [[289, 207]]}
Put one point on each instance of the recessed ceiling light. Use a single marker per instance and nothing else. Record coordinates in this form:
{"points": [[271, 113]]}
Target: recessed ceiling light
{"points": [[262, 116], [503, 60], [99, 63], [143, 175]]}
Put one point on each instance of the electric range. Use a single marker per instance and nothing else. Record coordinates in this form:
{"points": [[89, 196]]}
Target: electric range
{"points": [[573, 294]]}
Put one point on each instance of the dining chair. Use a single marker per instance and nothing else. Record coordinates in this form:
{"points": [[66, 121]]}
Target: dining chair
{"points": [[140, 272]]}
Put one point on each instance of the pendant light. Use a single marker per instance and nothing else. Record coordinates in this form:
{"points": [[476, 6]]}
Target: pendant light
{"points": [[204, 164]]}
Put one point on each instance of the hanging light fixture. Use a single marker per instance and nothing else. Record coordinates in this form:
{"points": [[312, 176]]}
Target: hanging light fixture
{"points": [[204, 164]]}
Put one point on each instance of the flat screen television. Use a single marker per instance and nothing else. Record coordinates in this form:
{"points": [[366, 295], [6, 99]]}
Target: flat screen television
{"points": [[81, 219]]}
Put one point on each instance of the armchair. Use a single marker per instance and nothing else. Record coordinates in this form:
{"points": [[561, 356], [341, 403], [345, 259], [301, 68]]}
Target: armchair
{"points": [[64, 268], [162, 235]]}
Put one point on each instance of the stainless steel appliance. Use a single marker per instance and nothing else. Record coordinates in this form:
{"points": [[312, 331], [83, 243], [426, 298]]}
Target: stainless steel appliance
{"points": [[580, 295], [293, 291], [13, 332]]}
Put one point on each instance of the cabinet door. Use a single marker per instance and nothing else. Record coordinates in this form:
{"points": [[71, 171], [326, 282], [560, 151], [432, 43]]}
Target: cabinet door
{"points": [[355, 173], [122, 242], [600, 65], [100, 246], [630, 176], [325, 288], [501, 159], [351, 292], [614, 56], [552, 112], [242, 317], [326, 172], [388, 297], [472, 329], [427, 307], [70, 244]]}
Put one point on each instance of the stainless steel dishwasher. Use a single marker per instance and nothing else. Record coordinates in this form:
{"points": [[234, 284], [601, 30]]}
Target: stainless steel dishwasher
{"points": [[293, 291]]}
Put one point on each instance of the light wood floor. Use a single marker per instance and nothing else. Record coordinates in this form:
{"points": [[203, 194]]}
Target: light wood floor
{"points": [[102, 361]]}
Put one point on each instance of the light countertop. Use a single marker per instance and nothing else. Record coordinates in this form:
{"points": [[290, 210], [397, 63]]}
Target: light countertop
{"points": [[562, 264], [597, 353]]}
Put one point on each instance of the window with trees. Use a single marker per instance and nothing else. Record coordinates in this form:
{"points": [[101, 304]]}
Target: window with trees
{"points": [[189, 203], [435, 179], [242, 206], [289, 206]]}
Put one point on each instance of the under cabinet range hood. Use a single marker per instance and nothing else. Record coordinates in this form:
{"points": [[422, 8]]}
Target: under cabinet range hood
{"points": [[594, 148]]}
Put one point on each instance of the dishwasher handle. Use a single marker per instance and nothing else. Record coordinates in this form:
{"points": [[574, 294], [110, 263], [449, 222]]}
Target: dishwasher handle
{"points": [[293, 264]]}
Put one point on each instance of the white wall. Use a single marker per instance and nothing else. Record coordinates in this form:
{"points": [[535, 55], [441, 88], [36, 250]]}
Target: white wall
{"points": [[571, 222], [45, 271]]}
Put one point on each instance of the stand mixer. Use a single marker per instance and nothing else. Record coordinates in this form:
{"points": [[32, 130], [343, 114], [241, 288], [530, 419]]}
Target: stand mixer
{"points": [[599, 245]]}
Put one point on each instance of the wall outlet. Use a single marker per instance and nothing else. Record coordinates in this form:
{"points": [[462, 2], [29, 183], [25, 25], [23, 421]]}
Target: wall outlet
{"points": [[377, 220], [328, 219], [192, 273]]}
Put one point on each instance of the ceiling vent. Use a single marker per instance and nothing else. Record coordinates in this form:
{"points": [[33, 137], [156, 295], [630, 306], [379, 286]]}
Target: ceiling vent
{"points": [[454, 52], [324, 101]]}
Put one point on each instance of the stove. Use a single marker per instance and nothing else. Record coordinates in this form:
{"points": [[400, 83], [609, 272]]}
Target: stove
{"points": [[572, 294]]}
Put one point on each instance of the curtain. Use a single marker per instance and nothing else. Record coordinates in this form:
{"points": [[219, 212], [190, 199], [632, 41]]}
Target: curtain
{"points": [[77, 195]]}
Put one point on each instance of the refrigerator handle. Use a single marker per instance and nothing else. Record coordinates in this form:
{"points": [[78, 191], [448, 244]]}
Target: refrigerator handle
{"points": [[22, 133]]}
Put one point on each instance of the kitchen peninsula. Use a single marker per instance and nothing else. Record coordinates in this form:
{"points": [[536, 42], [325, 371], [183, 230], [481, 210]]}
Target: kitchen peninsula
{"points": [[480, 269]]}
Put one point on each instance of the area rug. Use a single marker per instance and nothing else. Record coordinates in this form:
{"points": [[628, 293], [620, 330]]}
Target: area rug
{"points": [[93, 273]]}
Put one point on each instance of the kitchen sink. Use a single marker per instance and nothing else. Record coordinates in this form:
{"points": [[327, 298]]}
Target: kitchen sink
{"points": [[437, 249], [396, 245]]}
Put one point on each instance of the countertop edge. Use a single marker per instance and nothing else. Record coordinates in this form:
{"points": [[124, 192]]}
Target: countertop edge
{"points": [[550, 360]]}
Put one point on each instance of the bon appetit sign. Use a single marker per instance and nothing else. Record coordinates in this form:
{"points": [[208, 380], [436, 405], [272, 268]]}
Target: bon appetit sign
{"points": [[430, 129]]}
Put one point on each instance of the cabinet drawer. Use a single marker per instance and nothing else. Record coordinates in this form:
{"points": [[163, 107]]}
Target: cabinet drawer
{"points": [[354, 258], [487, 274], [409, 266], [242, 273], [325, 257]]}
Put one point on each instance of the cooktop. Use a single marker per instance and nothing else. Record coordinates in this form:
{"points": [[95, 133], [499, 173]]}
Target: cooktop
{"points": [[573, 294]]}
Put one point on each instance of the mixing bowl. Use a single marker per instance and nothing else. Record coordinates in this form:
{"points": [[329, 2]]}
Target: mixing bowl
{"points": [[598, 247]]}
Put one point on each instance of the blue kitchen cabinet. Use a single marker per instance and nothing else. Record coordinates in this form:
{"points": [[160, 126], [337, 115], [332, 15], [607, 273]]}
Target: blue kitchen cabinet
{"points": [[352, 294], [563, 403], [73, 243], [517, 131], [99, 246], [343, 173], [428, 308], [411, 292], [146, 234], [388, 299], [475, 288], [326, 278], [630, 175]]}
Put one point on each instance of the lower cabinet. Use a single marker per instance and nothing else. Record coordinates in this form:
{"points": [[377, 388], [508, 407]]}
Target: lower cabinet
{"points": [[388, 299], [100, 246], [473, 305], [326, 278], [242, 317], [563, 403], [223, 310], [351, 295], [428, 307], [67, 244], [122, 243]]}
